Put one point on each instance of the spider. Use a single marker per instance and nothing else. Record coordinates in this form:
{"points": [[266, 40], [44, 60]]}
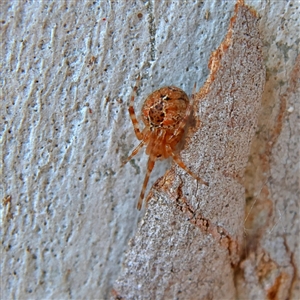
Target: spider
{"points": [[164, 114]]}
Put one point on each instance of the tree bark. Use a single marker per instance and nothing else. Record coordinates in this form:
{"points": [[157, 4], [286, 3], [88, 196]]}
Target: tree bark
{"points": [[191, 238]]}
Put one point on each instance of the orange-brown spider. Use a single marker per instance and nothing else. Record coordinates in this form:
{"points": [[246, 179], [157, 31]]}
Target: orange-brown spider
{"points": [[164, 114]]}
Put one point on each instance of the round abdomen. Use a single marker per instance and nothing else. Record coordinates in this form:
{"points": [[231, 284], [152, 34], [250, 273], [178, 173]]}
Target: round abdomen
{"points": [[165, 108]]}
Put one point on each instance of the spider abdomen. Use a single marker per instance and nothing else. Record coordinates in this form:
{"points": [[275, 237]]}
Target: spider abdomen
{"points": [[165, 108]]}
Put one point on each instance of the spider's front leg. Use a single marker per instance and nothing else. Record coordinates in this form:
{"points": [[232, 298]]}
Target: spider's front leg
{"points": [[181, 164], [133, 153], [150, 166]]}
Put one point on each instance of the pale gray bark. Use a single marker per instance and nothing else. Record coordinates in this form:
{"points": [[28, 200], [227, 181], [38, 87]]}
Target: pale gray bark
{"points": [[191, 238]]}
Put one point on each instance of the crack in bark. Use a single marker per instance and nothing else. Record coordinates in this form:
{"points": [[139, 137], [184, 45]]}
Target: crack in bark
{"points": [[206, 226]]}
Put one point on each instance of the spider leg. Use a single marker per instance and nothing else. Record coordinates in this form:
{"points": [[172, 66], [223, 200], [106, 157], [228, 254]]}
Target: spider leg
{"points": [[150, 167], [132, 114], [181, 164], [133, 153], [187, 114]]}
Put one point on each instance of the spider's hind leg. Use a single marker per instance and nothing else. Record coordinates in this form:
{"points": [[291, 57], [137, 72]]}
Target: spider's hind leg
{"points": [[184, 120], [132, 114]]}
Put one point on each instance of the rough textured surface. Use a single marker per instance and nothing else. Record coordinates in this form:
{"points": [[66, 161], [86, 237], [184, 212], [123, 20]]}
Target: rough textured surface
{"points": [[68, 211], [190, 231], [271, 258]]}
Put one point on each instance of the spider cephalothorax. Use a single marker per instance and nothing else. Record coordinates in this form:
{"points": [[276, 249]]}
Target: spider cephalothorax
{"points": [[164, 114]]}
